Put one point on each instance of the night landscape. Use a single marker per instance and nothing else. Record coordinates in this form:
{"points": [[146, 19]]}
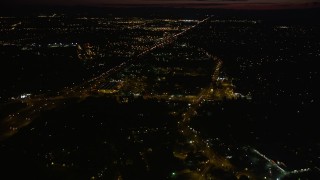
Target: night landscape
{"points": [[175, 89]]}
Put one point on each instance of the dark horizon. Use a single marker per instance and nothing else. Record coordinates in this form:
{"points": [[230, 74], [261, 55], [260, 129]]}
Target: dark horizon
{"points": [[201, 4]]}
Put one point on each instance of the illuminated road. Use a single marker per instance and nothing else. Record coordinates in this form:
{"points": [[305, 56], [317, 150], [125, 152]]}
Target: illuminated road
{"points": [[193, 136]]}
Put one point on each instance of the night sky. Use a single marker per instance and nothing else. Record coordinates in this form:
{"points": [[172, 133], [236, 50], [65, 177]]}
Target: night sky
{"points": [[229, 4]]}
